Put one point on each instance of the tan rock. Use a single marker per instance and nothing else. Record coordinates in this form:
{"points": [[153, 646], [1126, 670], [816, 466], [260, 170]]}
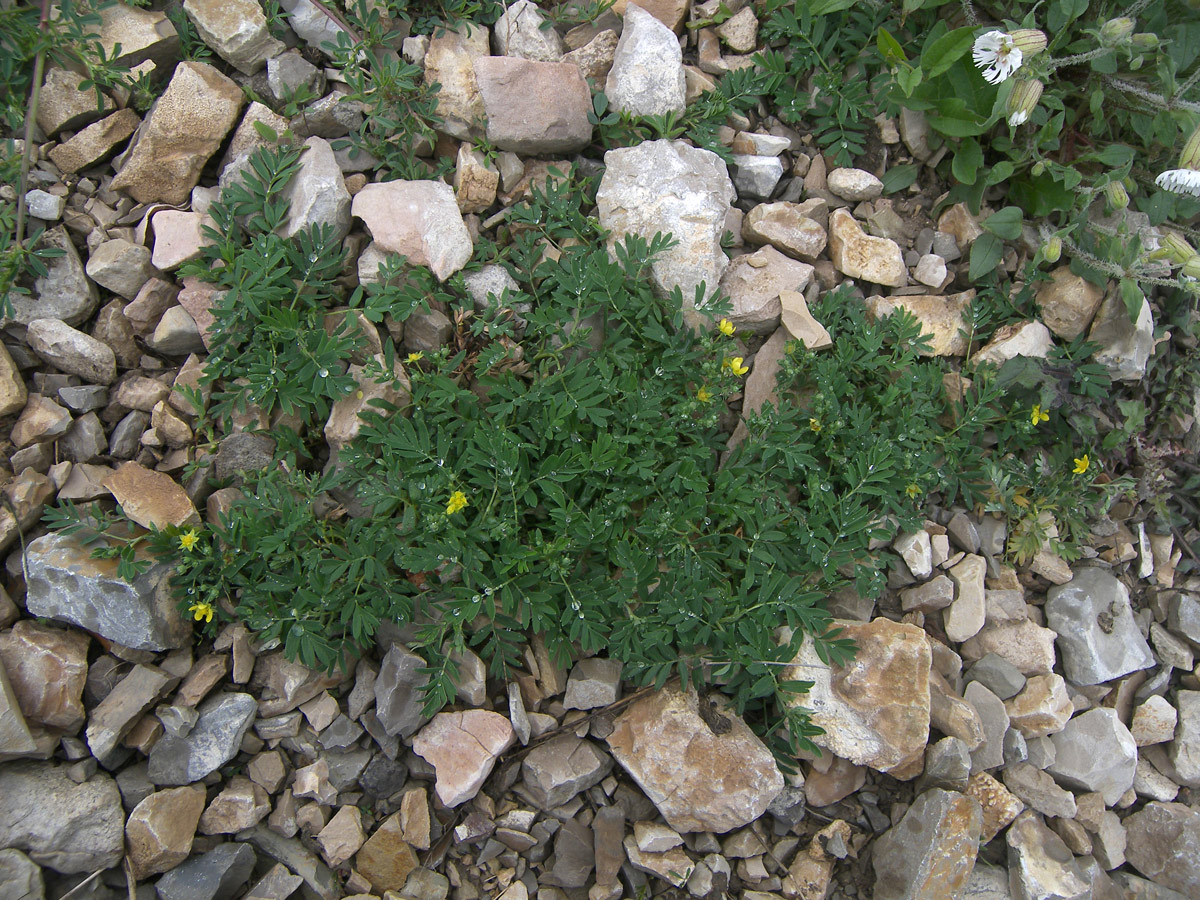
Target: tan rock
{"points": [[65, 105], [175, 432], [537, 108], [1042, 708], [841, 779], [1154, 722], [236, 29], [116, 715], [800, 323], [761, 383], [414, 818], [754, 283], [999, 805], [859, 255], [475, 180], [672, 865], [344, 420], [141, 35], [95, 143], [449, 63], [699, 780], [951, 714], [958, 221], [386, 858], [342, 837], [809, 874], [47, 669], [595, 58], [41, 420], [966, 615], [420, 220], [241, 804], [185, 128], [159, 833], [1025, 644], [177, 237], [1068, 303], [671, 13], [941, 317], [152, 499], [13, 393], [16, 740], [784, 226], [463, 748], [70, 350], [875, 711], [931, 851]]}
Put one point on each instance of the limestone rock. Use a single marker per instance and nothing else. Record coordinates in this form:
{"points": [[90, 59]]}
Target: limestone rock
{"points": [[754, 284], [69, 350], [475, 180], [670, 187], [65, 826], [1025, 644], [519, 32], [241, 804], [993, 717], [140, 34], [317, 193], [557, 770], [1095, 752], [875, 711], [594, 60], [21, 877], [398, 699], [449, 62], [785, 227], [1068, 302], [755, 177], [177, 238], [16, 740], [47, 669], [185, 127], [859, 255], [386, 859], [65, 105], [158, 835], [64, 292], [1040, 865], [312, 25], [673, 865], [594, 682], [236, 29], [800, 324], [940, 315], [536, 108], [1039, 790], [41, 420], [116, 715], [463, 747], [1153, 722], [854, 184], [965, 616], [152, 499], [213, 741], [419, 220], [121, 266], [1042, 708], [1097, 635], [647, 77], [215, 875], [95, 143], [931, 851], [1185, 750], [998, 804], [699, 780], [1125, 347], [1030, 339], [1164, 844], [342, 837]]}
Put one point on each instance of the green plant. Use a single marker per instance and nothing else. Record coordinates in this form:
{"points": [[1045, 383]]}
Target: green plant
{"points": [[191, 45]]}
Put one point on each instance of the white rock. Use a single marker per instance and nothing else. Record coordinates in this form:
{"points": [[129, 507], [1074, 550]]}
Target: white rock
{"points": [[854, 184], [236, 30], [647, 77], [317, 194], [756, 176], [43, 205], [418, 219], [860, 255], [930, 270], [72, 351], [519, 32], [1030, 339]]}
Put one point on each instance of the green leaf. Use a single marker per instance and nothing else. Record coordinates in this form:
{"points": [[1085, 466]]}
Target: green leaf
{"points": [[897, 178], [986, 253], [1000, 172], [968, 160], [265, 131], [947, 50], [1133, 297], [1115, 155], [909, 79], [1063, 12], [889, 47], [1006, 223]]}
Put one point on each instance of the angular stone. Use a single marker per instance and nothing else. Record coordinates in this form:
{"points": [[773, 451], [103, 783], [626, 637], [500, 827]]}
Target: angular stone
{"points": [[13, 393], [940, 315], [594, 60], [537, 108], [386, 859], [463, 747], [1040, 865], [64, 292], [670, 187], [875, 711], [158, 835], [1164, 844], [998, 675], [65, 826], [152, 499], [609, 852], [16, 740], [755, 177], [800, 324], [594, 682], [574, 856], [319, 881], [1042, 708], [698, 779], [313, 26], [131, 36], [673, 866], [216, 875], [947, 766], [65, 105], [965, 616], [284, 684], [1096, 752], [785, 227], [998, 804], [277, 884], [951, 714], [647, 77], [95, 143], [755, 283], [1185, 750], [317, 194], [1068, 303], [858, 255], [1031, 339], [475, 180], [213, 741], [72, 351], [519, 32], [1039, 790], [1025, 644], [420, 220], [931, 851], [929, 596], [837, 782], [116, 714], [342, 837], [449, 63], [1125, 347], [236, 29], [185, 127], [994, 717], [41, 420], [557, 770], [241, 804], [1097, 635], [1153, 722], [398, 698], [21, 877], [46, 669]]}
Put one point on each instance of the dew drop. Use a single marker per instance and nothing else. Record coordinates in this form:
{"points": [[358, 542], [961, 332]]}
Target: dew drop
{"points": [[324, 373]]}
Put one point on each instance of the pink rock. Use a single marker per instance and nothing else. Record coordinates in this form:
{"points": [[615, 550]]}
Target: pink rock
{"points": [[462, 747], [197, 298], [177, 238], [534, 107], [420, 220]]}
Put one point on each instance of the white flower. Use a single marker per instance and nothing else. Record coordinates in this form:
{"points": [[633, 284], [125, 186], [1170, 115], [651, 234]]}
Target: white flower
{"points": [[996, 56], [1020, 117], [1181, 181]]}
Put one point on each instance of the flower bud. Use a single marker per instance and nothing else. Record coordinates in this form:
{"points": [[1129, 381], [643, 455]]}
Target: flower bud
{"points": [[1190, 157], [1116, 31], [1022, 101], [1053, 249], [1145, 41], [1039, 168], [1029, 41], [1176, 249], [1191, 268], [1117, 195]]}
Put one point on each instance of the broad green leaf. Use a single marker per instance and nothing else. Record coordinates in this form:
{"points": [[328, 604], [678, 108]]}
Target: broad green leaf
{"points": [[968, 160], [897, 178], [1133, 297], [986, 253], [947, 50], [1006, 223], [889, 47], [1115, 155], [909, 79], [1001, 171], [1062, 13]]}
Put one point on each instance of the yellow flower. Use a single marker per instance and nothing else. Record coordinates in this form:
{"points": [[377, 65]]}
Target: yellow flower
{"points": [[815, 425], [725, 327], [913, 491], [413, 357], [703, 395], [458, 500], [1037, 415], [1081, 464], [734, 365], [202, 611], [188, 540]]}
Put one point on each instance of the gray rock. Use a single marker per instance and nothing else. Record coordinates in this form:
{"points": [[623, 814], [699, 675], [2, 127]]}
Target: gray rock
{"points": [[987, 883], [646, 78], [963, 532], [70, 350], [20, 877], [1172, 651], [319, 881], [931, 851], [333, 116], [117, 713], [398, 698], [1097, 636], [519, 32], [314, 27], [574, 856], [383, 777], [1096, 752], [62, 825], [947, 765], [755, 177], [125, 438], [244, 452], [1163, 843], [43, 205], [929, 596], [1185, 749], [84, 398], [217, 875], [517, 715], [64, 292], [594, 682], [670, 187], [998, 675], [213, 741], [534, 107], [1039, 864], [121, 266], [557, 770], [1125, 346], [85, 441], [277, 884], [236, 30], [317, 194], [1136, 888], [1183, 617], [994, 717], [67, 583], [289, 73]]}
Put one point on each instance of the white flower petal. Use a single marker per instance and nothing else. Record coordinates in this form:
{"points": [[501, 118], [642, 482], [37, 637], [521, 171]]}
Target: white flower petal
{"points": [[996, 56], [1181, 181], [1020, 117]]}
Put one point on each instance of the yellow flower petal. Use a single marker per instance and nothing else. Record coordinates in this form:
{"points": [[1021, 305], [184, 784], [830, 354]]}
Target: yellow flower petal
{"points": [[703, 395], [458, 500], [1081, 464], [725, 327], [736, 367], [1037, 415], [188, 540]]}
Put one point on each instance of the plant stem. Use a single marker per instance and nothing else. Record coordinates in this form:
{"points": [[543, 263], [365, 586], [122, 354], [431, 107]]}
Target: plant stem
{"points": [[39, 65]]}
